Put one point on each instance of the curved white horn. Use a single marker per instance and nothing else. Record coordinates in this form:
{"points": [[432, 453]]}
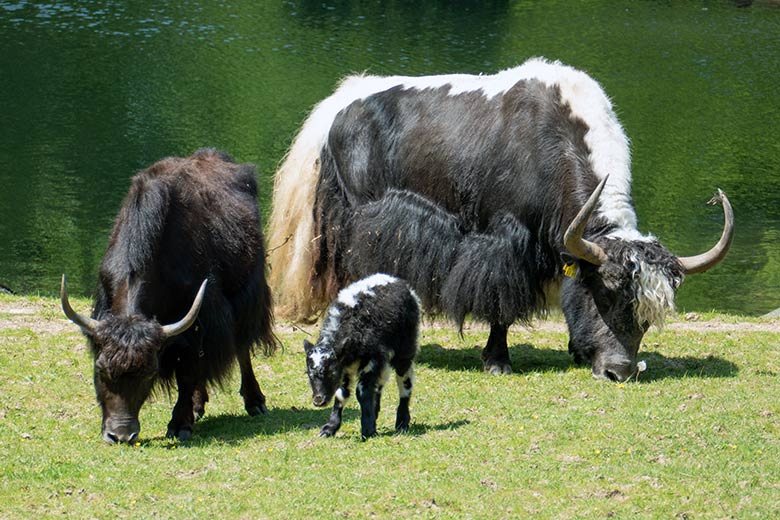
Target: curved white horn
{"points": [[572, 239], [186, 322], [700, 263], [86, 323]]}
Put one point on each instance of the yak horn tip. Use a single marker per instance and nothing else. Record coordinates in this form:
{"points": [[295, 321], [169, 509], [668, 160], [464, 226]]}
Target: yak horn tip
{"points": [[86, 323]]}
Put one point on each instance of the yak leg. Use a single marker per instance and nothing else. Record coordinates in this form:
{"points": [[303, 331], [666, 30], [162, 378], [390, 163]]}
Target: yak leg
{"points": [[199, 399], [496, 354], [182, 417], [334, 421], [405, 381], [254, 400]]}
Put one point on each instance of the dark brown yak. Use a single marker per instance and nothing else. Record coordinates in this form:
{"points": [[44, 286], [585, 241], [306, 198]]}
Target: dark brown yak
{"points": [[186, 250]]}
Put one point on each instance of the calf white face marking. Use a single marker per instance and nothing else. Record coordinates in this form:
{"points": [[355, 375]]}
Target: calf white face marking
{"points": [[348, 296], [319, 356]]}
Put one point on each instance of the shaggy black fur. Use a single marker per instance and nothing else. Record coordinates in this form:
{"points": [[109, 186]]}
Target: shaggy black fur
{"points": [[498, 276], [401, 226], [183, 221]]}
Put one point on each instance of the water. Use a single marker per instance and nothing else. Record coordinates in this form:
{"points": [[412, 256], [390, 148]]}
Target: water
{"points": [[94, 91]]}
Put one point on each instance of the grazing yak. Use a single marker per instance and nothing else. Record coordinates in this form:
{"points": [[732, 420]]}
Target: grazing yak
{"points": [[478, 190], [182, 293], [368, 330]]}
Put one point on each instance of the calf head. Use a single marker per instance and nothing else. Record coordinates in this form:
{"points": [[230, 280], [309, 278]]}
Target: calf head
{"points": [[621, 288], [324, 371], [126, 354]]}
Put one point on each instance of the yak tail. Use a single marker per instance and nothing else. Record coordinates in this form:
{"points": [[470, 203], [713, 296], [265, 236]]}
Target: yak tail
{"points": [[291, 226], [290, 237]]}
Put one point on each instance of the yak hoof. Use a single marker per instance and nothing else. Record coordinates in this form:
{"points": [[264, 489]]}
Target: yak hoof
{"points": [[496, 368], [183, 434], [259, 409]]}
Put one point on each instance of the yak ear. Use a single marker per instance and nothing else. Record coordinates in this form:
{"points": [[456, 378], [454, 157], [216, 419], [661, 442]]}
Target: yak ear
{"points": [[307, 346]]}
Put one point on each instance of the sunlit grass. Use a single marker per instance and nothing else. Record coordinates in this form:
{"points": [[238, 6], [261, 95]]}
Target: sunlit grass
{"points": [[697, 436]]}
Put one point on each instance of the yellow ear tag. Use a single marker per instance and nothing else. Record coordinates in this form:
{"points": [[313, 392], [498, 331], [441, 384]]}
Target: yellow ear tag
{"points": [[570, 270]]}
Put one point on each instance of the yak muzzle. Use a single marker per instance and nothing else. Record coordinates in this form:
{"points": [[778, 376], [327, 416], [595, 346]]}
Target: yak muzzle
{"points": [[126, 431], [319, 400], [614, 369]]}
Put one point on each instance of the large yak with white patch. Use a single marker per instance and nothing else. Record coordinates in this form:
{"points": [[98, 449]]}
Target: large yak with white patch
{"points": [[478, 190], [182, 293]]}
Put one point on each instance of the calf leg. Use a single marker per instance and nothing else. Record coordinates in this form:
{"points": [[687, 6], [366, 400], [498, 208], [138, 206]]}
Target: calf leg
{"points": [[254, 400], [199, 399], [366, 396], [384, 376], [496, 354], [334, 421], [405, 380]]}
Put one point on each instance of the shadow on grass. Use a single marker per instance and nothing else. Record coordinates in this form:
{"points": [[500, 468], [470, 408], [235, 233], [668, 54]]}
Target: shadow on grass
{"points": [[422, 428], [234, 429], [229, 428], [527, 358], [661, 367]]}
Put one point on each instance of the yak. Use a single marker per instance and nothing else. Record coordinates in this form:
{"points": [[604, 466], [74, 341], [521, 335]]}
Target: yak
{"points": [[490, 195], [182, 293]]}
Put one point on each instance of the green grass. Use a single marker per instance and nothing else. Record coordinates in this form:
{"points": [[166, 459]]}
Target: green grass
{"points": [[698, 436]]}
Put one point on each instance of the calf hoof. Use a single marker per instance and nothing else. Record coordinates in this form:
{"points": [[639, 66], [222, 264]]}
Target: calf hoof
{"points": [[327, 431], [496, 368]]}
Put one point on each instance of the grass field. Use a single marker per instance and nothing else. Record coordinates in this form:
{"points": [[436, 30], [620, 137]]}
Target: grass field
{"points": [[697, 436]]}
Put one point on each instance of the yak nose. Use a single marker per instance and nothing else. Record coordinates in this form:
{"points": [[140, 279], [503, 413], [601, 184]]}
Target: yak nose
{"points": [[114, 437], [319, 400], [616, 371], [127, 433]]}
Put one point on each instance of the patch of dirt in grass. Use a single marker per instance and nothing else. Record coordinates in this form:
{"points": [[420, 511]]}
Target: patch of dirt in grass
{"points": [[33, 315], [43, 316]]}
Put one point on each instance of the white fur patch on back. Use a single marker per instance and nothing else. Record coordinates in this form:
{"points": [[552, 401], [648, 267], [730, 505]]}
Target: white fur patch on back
{"points": [[349, 295], [610, 154], [330, 325]]}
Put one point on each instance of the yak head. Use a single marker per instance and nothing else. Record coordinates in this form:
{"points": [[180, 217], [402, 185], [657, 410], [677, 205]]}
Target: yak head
{"points": [[324, 370], [126, 356], [621, 287]]}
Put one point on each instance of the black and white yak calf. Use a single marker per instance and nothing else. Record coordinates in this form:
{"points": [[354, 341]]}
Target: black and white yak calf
{"points": [[369, 330], [182, 293], [478, 190]]}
